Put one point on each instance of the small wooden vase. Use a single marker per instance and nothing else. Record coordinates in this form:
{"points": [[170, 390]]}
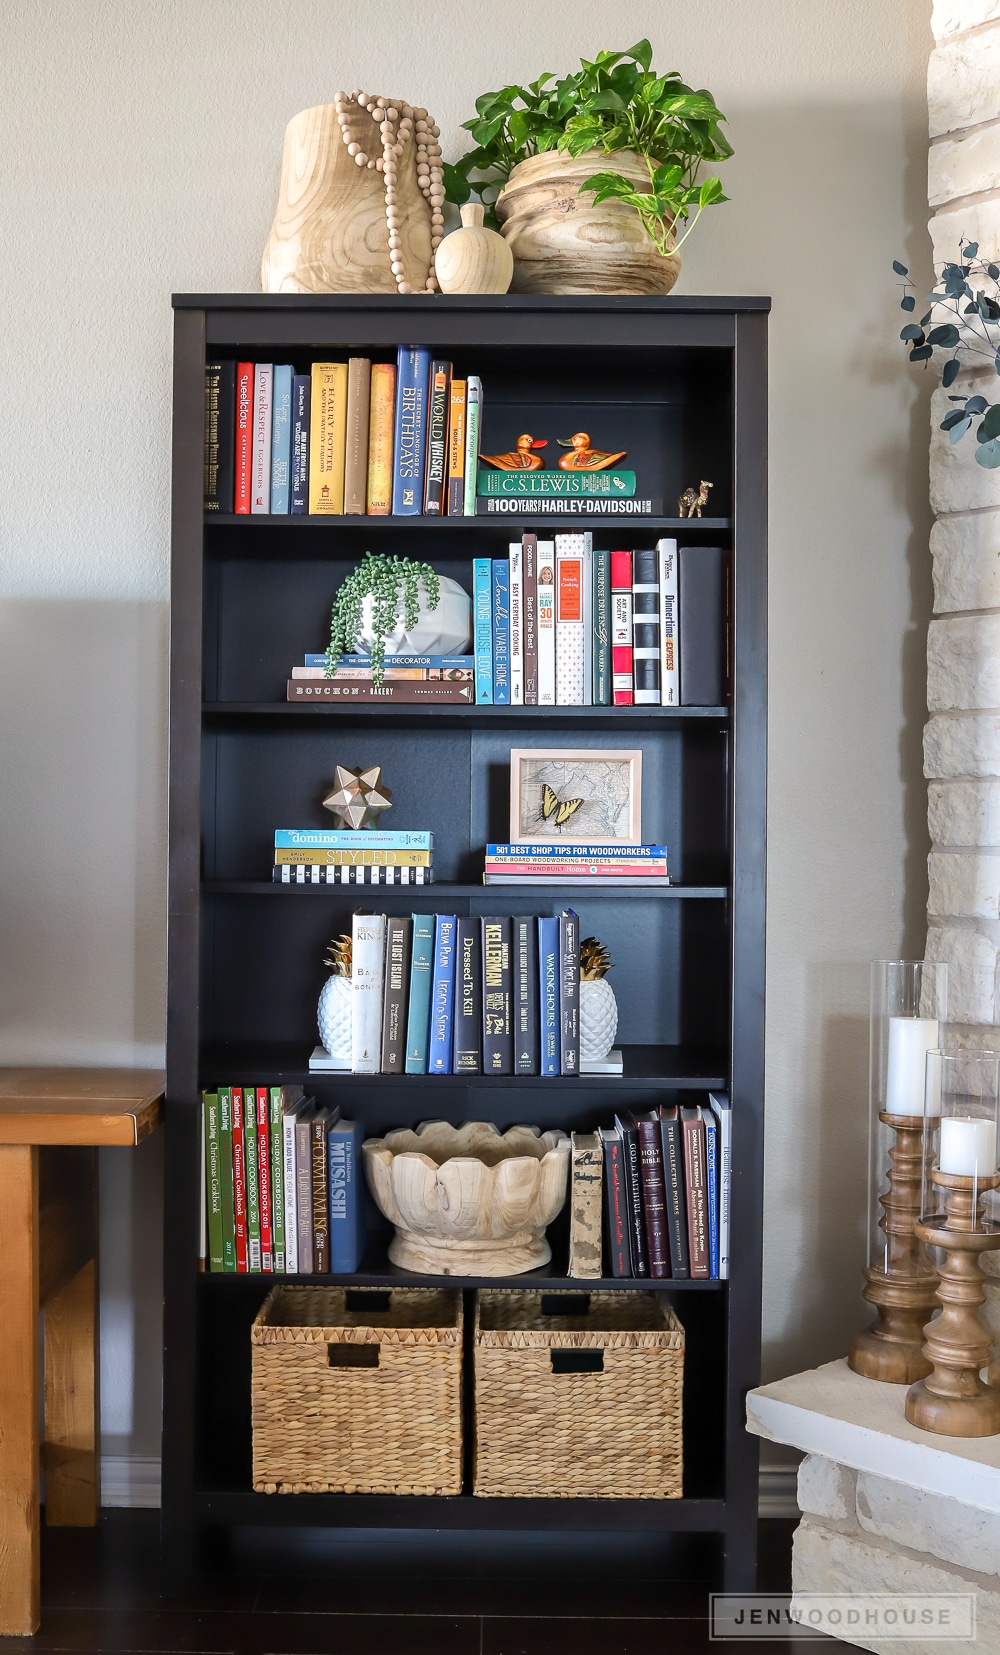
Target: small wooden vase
{"points": [[473, 259], [953, 1401], [904, 1293]]}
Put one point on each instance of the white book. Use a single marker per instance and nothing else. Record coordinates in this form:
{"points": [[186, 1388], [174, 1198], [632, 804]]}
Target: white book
{"points": [[719, 1104], [263, 398], [670, 678], [516, 554], [545, 611], [571, 651], [291, 1194], [367, 966], [588, 622]]}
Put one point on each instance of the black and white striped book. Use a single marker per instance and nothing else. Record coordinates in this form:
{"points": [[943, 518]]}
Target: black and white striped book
{"points": [[646, 627], [349, 873]]}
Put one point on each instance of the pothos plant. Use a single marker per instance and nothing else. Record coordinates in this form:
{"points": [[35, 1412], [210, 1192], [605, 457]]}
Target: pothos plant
{"points": [[975, 333], [393, 584], [615, 103]]}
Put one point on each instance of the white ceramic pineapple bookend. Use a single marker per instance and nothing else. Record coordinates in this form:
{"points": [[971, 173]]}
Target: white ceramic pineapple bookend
{"points": [[334, 1011], [598, 1006]]}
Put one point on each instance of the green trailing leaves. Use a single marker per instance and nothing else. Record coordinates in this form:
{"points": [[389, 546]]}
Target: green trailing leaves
{"points": [[393, 584]]}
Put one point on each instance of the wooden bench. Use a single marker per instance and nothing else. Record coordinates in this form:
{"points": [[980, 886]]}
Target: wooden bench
{"points": [[51, 1123]]}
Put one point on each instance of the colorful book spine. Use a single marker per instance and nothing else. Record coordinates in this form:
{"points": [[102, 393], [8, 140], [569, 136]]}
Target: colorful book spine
{"points": [[468, 1013], [397, 976], [346, 1197], [410, 439], [570, 647], [441, 663], [673, 1181], [299, 485], [440, 1044], [482, 621], [239, 1180], [291, 1204], [438, 412], [359, 391], [569, 993], [712, 1190], [226, 1165], [281, 440], [695, 1181], [588, 621], [633, 1191], [529, 609], [516, 563], [556, 850], [654, 1204], [548, 995], [670, 678], [419, 1011], [276, 1150], [545, 589], [367, 966], [263, 391], [327, 439], [456, 450], [553, 484], [318, 1129], [622, 685], [501, 631], [252, 1178], [524, 993], [646, 627], [220, 435], [352, 839], [473, 410], [407, 691], [264, 1183], [498, 1041], [718, 1102], [381, 435], [602, 629], [615, 1209], [303, 1189], [213, 1182], [243, 483]]}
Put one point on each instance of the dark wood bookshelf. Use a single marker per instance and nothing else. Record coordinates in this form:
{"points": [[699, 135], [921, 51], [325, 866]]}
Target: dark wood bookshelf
{"points": [[681, 384]]}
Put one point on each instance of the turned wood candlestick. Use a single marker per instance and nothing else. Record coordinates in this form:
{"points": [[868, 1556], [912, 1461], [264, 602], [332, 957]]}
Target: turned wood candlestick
{"points": [[953, 1401], [904, 1293]]}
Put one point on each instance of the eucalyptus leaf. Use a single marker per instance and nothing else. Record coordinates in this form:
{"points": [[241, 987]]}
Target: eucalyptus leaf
{"points": [[911, 331], [988, 454], [975, 405], [900, 269], [958, 430], [949, 373], [946, 335], [908, 302], [955, 417], [990, 426]]}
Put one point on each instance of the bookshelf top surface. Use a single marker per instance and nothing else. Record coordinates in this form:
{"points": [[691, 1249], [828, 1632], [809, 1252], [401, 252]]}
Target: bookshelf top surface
{"points": [[686, 304]]}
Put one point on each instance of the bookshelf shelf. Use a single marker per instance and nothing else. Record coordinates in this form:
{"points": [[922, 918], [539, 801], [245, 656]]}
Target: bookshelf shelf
{"points": [[681, 385], [379, 1272]]}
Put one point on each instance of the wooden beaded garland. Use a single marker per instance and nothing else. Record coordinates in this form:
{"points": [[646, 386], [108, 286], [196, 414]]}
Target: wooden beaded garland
{"points": [[398, 124]]}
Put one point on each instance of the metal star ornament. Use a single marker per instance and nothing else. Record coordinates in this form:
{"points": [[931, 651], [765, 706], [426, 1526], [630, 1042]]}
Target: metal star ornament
{"points": [[359, 797]]}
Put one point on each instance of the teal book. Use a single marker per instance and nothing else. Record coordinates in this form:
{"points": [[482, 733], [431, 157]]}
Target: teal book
{"points": [[281, 440], [413, 365], [501, 632], [419, 1018], [602, 629], [213, 1182], [473, 421], [482, 623], [551, 484], [226, 1167]]}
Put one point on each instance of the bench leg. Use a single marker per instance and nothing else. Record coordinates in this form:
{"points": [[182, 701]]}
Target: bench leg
{"points": [[72, 1494], [19, 1445]]}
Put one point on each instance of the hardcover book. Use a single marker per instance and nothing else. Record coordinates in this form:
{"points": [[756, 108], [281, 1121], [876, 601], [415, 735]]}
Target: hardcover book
{"points": [[473, 408], [482, 613], [621, 629], [696, 1180], [319, 1126], [516, 564], [419, 1014], [352, 839], [456, 450], [381, 436], [213, 1190], [226, 1165], [498, 1043], [327, 439], [440, 1044], [673, 1181], [712, 1190], [407, 691], [367, 966], [718, 1102], [397, 976], [666, 552], [588, 622], [412, 372], [346, 1196], [220, 435], [501, 631], [264, 1182], [468, 1018], [359, 389], [351, 857], [545, 589], [288, 1120], [569, 993], [524, 993], [239, 1180], [633, 1191], [282, 1099], [438, 432], [318, 873], [616, 1211], [602, 629], [303, 1188], [701, 630], [529, 545], [568, 484], [252, 1178], [654, 1202], [281, 440], [260, 485], [548, 994], [646, 628], [299, 483], [585, 1205], [243, 485], [570, 644]]}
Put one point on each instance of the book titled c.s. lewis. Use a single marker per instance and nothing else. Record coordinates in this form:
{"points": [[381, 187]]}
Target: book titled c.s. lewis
{"points": [[368, 955], [412, 374]]}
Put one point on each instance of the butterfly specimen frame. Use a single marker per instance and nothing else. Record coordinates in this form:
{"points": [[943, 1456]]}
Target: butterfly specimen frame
{"points": [[585, 795]]}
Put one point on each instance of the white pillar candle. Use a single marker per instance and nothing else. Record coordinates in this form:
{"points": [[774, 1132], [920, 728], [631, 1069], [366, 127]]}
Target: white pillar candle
{"points": [[910, 1039], [968, 1146]]}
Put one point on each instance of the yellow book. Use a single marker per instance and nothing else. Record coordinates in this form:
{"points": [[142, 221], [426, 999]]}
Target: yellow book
{"points": [[456, 450], [381, 426], [327, 439]]}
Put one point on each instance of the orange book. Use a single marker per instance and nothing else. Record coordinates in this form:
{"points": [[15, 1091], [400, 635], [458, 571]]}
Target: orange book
{"points": [[455, 496], [380, 438]]}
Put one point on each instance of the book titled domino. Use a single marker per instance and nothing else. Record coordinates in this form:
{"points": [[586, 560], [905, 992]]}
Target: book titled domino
{"points": [[349, 839]]}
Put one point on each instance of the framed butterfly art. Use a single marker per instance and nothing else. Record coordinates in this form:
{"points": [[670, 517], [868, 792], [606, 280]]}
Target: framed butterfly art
{"points": [[582, 794]]}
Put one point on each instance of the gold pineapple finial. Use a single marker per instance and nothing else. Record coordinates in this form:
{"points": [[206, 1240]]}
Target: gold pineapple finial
{"points": [[595, 960], [340, 955]]}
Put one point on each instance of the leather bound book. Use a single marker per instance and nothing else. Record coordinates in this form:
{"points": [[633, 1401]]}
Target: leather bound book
{"points": [[654, 1200], [673, 1180], [616, 1210], [695, 1174], [633, 1191]]}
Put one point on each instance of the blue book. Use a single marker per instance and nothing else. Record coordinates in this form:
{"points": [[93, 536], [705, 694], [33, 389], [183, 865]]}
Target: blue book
{"points": [[418, 1020], [439, 1046], [548, 994], [413, 366], [351, 839], [346, 1191], [712, 1190], [501, 631], [281, 439], [482, 622], [299, 445]]}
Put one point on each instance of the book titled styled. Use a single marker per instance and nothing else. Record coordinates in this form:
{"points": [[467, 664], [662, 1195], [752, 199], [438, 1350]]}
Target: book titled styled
{"points": [[281, 440], [327, 438], [367, 966], [419, 1011], [586, 1178], [346, 1195], [569, 992], [529, 610], [299, 481], [498, 1043], [482, 623], [646, 627], [545, 595], [654, 1202], [473, 410], [359, 390], [455, 494], [220, 435], [666, 553], [696, 1182], [439, 1047], [570, 644], [701, 625], [548, 995], [397, 974], [501, 631], [626, 1126], [381, 436], [243, 458], [260, 483], [524, 993], [468, 1014], [615, 1206], [412, 372], [622, 687], [438, 431]]}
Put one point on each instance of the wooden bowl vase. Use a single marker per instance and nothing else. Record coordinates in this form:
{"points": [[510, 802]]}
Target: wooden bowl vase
{"points": [[469, 1200], [562, 243]]}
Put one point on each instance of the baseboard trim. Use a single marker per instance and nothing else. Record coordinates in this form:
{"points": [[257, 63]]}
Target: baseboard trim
{"points": [[777, 1495]]}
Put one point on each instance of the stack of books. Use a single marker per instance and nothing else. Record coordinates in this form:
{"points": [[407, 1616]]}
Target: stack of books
{"points": [[554, 862], [349, 438], [338, 856], [406, 678], [440, 994], [284, 1183], [667, 1175]]}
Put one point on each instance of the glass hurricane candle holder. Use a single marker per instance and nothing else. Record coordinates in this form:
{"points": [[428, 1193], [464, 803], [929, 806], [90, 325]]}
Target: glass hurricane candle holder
{"points": [[909, 1008], [960, 1167]]}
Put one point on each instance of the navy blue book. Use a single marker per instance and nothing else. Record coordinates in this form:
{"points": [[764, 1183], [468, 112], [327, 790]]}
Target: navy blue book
{"points": [[346, 1188], [548, 994], [498, 1037], [569, 992], [524, 993], [299, 487], [439, 1050], [413, 366], [501, 631]]}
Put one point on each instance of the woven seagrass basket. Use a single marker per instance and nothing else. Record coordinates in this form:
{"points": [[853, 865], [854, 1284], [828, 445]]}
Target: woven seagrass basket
{"points": [[578, 1395], [357, 1391]]}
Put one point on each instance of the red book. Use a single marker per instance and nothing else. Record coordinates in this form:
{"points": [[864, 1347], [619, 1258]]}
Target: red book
{"points": [[621, 629], [264, 1184], [239, 1181], [244, 437]]}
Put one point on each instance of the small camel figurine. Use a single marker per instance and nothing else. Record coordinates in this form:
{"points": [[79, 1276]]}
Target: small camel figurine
{"points": [[692, 500]]}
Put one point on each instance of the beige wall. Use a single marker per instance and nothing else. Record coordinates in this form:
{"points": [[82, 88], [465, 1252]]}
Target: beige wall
{"points": [[141, 147]]}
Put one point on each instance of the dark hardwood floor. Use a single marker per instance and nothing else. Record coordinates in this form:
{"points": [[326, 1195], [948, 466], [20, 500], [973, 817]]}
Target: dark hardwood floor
{"points": [[401, 1593]]}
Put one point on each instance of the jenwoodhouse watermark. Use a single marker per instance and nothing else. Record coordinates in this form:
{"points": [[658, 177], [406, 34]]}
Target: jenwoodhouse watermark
{"points": [[944, 1616]]}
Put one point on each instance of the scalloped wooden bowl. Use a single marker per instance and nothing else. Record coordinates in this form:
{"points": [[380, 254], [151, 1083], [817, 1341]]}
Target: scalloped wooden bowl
{"points": [[469, 1200]]}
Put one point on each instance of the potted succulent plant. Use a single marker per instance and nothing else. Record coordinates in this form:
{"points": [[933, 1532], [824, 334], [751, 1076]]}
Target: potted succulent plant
{"points": [[393, 605], [588, 177]]}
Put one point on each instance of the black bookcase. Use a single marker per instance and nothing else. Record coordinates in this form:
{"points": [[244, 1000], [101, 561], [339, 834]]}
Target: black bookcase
{"points": [[681, 384]]}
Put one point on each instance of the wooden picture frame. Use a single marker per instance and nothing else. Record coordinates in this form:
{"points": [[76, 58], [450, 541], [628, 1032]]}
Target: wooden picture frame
{"points": [[608, 781]]}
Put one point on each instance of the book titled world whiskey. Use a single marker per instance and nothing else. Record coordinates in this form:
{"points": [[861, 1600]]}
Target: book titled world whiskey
{"points": [[438, 412]]}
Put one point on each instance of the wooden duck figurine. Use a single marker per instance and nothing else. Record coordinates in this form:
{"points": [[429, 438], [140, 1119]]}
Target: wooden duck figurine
{"points": [[582, 457], [523, 459]]}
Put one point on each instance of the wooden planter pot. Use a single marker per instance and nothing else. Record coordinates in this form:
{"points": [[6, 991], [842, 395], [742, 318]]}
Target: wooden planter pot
{"points": [[562, 243]]}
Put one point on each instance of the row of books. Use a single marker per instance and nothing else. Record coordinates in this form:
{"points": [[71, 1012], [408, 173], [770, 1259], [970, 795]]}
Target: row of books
{"points": [[441, 994], [667, 1179], [349, 438], [284, 1183], [406, 678], [339, 856]]}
